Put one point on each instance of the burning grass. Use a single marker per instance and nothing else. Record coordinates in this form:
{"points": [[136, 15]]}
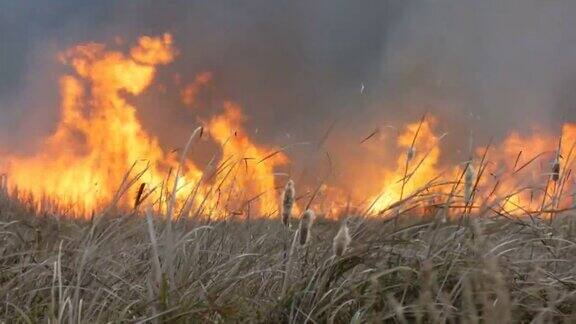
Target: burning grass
{"points": [[99, 136], [489, 240]]}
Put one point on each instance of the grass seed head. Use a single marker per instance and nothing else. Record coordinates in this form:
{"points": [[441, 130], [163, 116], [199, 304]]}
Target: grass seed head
{"points": [[342, 240], [306, 226], [410, 153], [288, 202], [556, 169], [3, 182], [469, 177]]}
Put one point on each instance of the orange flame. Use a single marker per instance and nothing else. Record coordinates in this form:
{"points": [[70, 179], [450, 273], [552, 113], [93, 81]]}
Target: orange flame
{"points": [[514, 178], [100, 137], [249, 168], [519, 170], [415, 167], [190, 92]]}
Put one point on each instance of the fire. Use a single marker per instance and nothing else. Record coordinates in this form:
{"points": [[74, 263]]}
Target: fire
{"points": [[100, 138], [416, 166], [190, 92], [514, 179], [248, 170], [518, 173]]}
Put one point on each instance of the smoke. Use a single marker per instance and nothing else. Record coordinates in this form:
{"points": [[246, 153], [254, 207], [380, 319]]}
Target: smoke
{"points": [[283, 61], [494, 65], [297, 67]]}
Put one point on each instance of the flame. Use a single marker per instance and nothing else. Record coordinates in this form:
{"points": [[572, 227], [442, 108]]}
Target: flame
{"points": [[518, 173], [100, 137], [514, 178], [416, 166], [190, 92], [249, 168]]}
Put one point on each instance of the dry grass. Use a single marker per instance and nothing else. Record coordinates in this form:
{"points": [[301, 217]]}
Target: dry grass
{"points": [[140, 266], [117, 268]]}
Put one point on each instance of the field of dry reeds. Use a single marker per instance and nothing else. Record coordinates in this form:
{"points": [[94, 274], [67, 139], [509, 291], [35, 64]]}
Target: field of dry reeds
{"points": [[143, 268]]}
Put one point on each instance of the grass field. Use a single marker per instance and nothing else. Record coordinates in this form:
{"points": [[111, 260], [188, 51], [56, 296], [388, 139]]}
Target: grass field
{"points": [[134, 268]]}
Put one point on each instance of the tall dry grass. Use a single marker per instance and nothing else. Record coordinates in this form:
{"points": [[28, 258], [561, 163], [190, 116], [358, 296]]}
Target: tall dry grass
{"points": [[115, 268], [151, 264]]}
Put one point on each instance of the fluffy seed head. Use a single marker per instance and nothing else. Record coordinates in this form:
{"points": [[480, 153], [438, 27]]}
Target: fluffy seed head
{"points": [[469, 176], [410, 153], [305, 226], [4, 183], [556, 169], [288, 202], [341, 240]]}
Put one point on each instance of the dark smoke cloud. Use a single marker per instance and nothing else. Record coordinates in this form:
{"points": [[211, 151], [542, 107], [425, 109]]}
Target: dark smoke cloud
{"points": [[297, 66]]}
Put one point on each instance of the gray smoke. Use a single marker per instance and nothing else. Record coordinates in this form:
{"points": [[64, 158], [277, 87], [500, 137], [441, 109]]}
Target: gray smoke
{"points": [[296, 67], [494, 65]]}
